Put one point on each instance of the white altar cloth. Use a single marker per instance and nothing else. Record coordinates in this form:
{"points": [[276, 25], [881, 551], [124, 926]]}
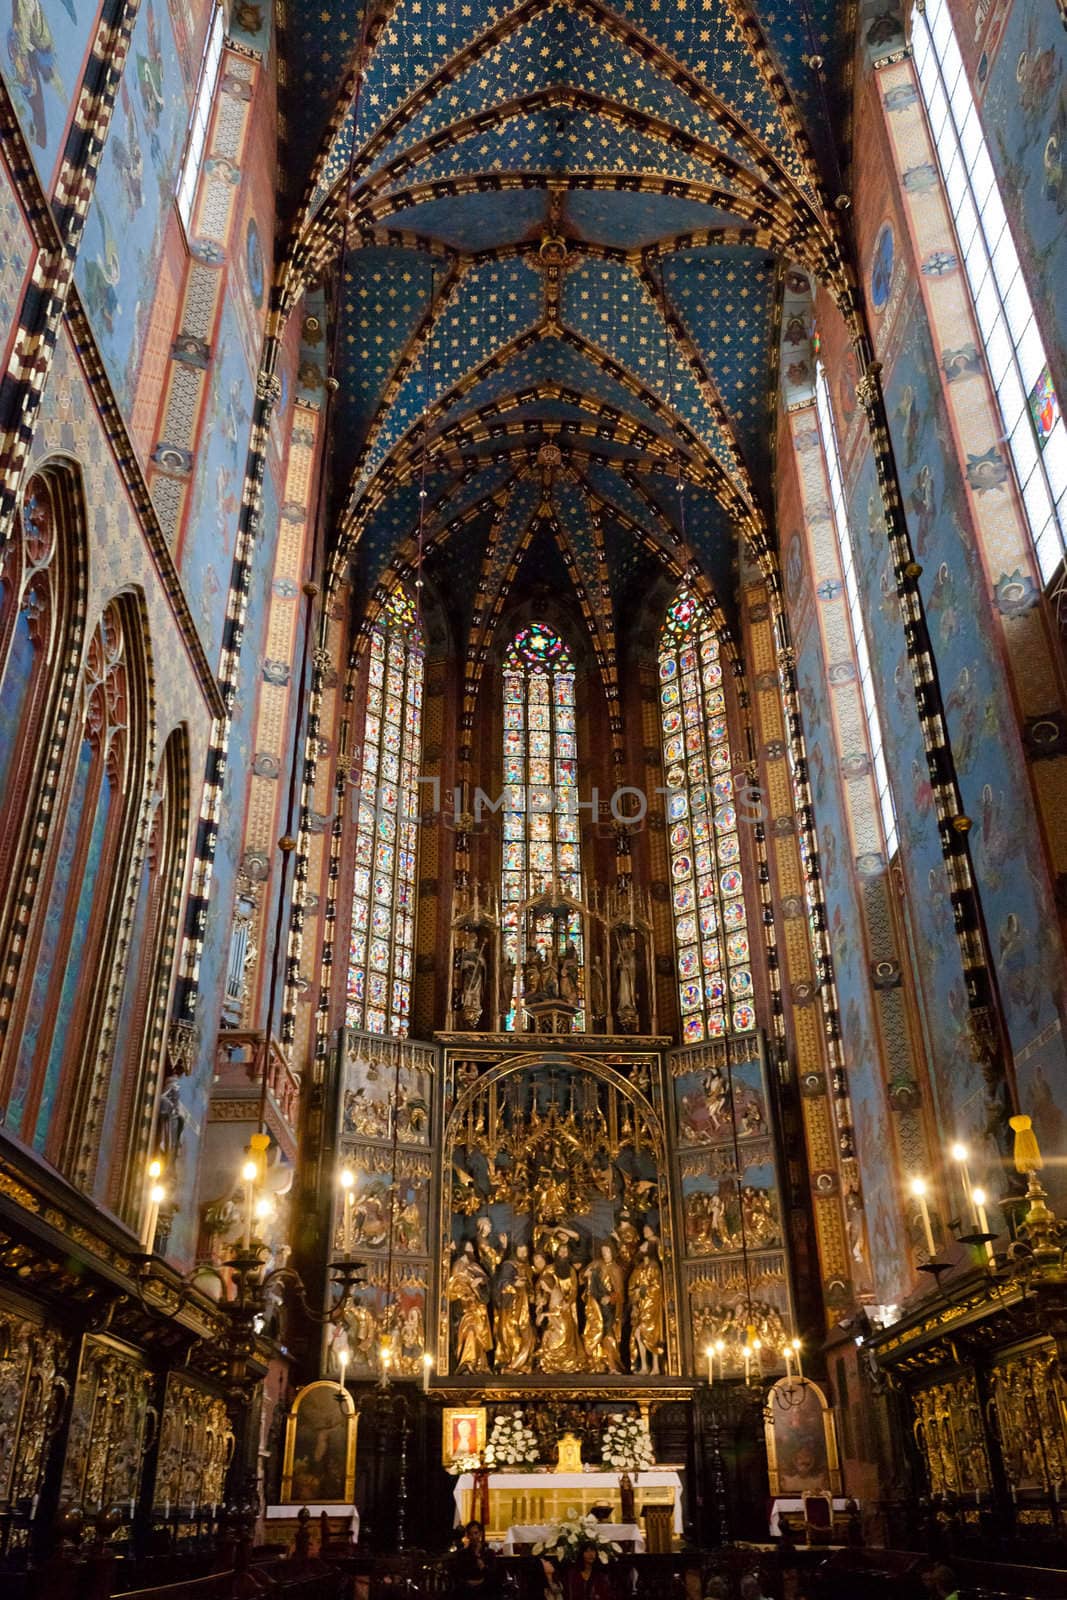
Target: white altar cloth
{"points": [[793, 1505], [533, 1533], [536, 1485]]}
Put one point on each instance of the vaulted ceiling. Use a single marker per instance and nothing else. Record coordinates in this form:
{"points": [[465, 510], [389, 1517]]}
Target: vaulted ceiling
{"points": [[566, 225]]}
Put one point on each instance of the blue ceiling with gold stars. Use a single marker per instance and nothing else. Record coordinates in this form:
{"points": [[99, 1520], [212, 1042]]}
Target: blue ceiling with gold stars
{"points": [[558, 231]]}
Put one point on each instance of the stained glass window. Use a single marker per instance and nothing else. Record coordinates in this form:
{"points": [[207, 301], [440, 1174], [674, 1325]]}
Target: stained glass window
{"points": [[1034, 428], [541, 834], [383, 884], [707, 892]]}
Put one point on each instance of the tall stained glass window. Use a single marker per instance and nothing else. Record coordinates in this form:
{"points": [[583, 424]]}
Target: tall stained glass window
{"points": [[541, 840], [383, 884], [1034, 426], [710, 925]]}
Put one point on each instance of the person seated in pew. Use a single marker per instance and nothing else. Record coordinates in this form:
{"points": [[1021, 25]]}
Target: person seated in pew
{"points": [[473, 1568], [588, 1577]]}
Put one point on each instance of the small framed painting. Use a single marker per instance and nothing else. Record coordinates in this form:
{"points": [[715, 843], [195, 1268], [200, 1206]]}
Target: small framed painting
{"points": [[462, 1432]]}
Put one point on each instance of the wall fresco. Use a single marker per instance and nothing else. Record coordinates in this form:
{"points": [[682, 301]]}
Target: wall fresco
{"points": [[1024, 111], [211, 530], [118, 263], [46, 47]]}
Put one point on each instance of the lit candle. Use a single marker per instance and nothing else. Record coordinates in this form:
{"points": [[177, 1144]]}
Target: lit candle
{"points": [[796, 1352], [386, 1357], [427, 1368], [156, 1196], [978, 1196], [918, 1189], [710, 1353], [959, 1154], [720, 1349], [347, 1182], [342, 1362], [748, 1362], [789, 1361], [249, 1173]]}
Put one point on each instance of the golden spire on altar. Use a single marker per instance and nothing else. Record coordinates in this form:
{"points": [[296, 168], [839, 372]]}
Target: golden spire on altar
{"points": [[1041, 1228]]}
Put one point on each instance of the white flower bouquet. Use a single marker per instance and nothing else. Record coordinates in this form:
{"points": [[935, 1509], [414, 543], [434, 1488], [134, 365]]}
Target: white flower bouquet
{"points": [[460, 1464], [566, 1538], [511, 1444], [626, 1445]]}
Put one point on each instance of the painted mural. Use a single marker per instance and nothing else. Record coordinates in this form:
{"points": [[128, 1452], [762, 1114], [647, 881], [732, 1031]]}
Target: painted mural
{"points": [[132, 203], [211, 529], [46, 47], [1025, 115], [876, 1244], [1005, 844]]}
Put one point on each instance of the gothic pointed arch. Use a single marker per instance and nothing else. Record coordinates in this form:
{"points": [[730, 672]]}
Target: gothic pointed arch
{"points": [[62, 1016]]}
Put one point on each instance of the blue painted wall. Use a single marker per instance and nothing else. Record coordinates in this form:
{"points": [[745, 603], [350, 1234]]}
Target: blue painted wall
{"points": [[118, 264]]}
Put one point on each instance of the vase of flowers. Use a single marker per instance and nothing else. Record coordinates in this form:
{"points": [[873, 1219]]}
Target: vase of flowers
{"points": [[627, 1446], [512, 1445], [461, 1464], [565, 1539]]}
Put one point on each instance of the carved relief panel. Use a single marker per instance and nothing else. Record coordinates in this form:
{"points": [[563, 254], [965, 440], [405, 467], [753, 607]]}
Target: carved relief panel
{"points": [[1030, 1401], [109, 1425], [32, 1391], [195, 1446], [951, 1438]]}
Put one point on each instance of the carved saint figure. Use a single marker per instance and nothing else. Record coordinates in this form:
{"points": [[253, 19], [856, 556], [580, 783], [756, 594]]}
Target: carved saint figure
{"points": [[598, 992], [626, 977], [604, 1300], [472, 969], [468, 1287], [560, 1348], [645, 1294], [568, 974], [515, 1339]]}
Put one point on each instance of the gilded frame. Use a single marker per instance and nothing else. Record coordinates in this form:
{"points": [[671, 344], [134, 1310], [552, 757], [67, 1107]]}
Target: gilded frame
{"points": [[450, 1417], [342, 1399], [776, 1411]]}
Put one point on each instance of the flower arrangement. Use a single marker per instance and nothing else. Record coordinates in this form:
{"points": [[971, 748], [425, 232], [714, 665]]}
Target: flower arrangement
{"points": [[566, 1538], [627, 1446], [511, 1444], [460, 1464]]}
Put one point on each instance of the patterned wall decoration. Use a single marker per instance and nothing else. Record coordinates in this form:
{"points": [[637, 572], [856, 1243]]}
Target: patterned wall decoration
{"points": [[119, 260], [17, 251], [69, 425], [211, 530], [733, 1250]]}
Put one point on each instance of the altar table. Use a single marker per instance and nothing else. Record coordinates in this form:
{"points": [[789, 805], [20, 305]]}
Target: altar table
{"points": [[624, 1533], [795, 1506], [526, 1498]]}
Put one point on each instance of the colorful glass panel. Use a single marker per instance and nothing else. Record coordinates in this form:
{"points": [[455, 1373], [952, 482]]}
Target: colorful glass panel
{"points": [[704, 841], [382, 930], [541, 832]]}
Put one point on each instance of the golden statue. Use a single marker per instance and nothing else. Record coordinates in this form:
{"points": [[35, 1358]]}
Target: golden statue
{"points": [[604, 1282], [560, 1349], [645, 1293], [468, 1287], [515, 1338]]}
